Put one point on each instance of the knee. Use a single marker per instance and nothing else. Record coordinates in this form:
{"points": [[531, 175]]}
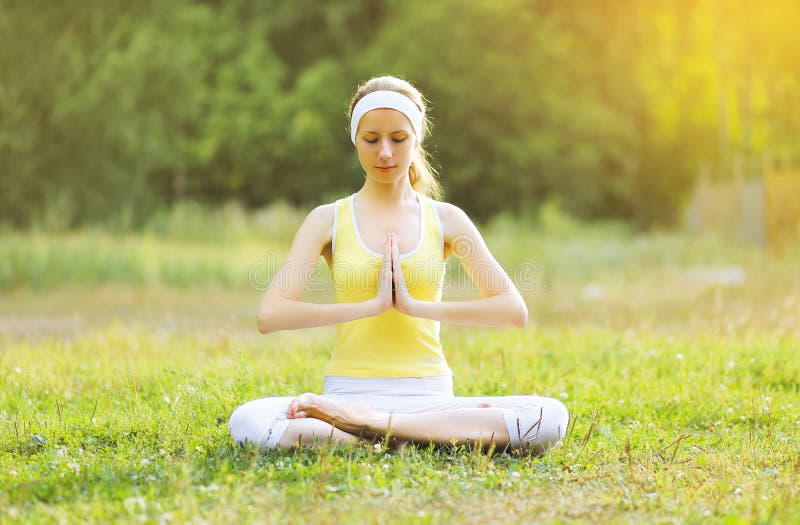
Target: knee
{"points": [[554, 421], [559, 418], [262, 421], [245, 425], [541, 423], [242, 426]]}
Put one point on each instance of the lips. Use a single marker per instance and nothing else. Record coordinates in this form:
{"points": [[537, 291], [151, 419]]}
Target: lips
{"points": [[385, 168]]}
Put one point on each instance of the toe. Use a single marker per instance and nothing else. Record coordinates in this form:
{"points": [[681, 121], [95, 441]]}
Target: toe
{"points": [[292, 410], [306, 400]]}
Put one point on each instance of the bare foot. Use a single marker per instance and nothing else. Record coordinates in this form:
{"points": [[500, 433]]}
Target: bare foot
{"points": [[353, 418]]}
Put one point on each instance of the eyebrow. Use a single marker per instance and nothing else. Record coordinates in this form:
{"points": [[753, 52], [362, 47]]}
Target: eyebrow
{"points": [[390, 133]]}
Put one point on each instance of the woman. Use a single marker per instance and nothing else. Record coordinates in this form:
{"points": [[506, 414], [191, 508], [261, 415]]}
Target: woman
{"points": [[386, 246]]}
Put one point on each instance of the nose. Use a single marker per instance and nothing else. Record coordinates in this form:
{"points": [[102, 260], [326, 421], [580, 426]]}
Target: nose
{"points": [[386, 150]]}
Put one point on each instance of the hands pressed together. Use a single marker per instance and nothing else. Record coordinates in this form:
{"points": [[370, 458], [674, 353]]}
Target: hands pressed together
{"points": [[392, 289]]}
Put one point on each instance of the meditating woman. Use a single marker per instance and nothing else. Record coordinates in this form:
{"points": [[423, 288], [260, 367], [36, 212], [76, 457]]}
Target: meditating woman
{"points": [[386, 246]]}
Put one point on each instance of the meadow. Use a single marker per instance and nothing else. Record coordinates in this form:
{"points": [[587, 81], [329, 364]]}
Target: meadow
{"points": [[123, 354]]}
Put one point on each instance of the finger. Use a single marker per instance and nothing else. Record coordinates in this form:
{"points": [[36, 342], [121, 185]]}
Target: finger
{"points": [[397, 274], [386, 267], [394, 262], [387, 253]]}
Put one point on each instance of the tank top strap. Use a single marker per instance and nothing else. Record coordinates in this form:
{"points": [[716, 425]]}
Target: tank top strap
{"points": [[434, 233], [342, 224]]}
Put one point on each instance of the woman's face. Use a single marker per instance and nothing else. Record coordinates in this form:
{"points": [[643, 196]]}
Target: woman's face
{"points": [[385, 143]]}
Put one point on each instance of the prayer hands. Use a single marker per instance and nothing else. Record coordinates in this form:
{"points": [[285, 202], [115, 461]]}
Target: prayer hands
{"points": [[385, 297], [401, 299], [392, 289]]}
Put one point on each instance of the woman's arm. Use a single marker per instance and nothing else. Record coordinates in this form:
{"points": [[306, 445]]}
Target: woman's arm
{"points": [[280, 308], [502, 304]]}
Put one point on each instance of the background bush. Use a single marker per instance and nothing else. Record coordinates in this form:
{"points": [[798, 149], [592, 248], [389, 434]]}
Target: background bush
{"points": [[112, 112]]}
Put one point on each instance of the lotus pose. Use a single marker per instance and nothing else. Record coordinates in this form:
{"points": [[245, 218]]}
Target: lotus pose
{"points": [[386, 246]]}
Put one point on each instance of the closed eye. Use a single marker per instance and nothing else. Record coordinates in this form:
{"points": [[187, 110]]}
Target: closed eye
{"points": [[376, 140]]}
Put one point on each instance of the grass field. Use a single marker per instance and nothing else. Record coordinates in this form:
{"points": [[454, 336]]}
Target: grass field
{"points": [[678, 358]]}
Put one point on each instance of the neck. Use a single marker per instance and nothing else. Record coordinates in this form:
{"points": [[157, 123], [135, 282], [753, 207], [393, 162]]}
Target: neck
{"points": [[388, 194]]}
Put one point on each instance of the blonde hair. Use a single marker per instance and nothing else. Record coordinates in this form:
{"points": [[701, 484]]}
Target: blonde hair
{"points": [[421, 175]]}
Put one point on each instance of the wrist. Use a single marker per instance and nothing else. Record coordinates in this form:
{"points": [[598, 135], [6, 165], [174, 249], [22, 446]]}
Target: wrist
{"points": [[376, 306], [411, 306], [402, 305], [373, 306]]}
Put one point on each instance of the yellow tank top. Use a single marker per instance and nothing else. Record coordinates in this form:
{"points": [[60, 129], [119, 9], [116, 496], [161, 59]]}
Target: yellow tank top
{"points": [[391, 344]]}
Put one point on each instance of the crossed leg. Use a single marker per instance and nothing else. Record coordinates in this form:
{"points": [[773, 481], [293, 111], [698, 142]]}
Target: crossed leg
{"points": [[530, 421], [307, 431], [313, 417]]}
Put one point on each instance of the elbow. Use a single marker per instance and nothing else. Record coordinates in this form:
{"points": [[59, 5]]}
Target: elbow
{"points": [[263, 322], [521, 316]]}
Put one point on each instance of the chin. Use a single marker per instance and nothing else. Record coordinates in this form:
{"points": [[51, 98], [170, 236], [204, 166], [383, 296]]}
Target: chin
{"points": [[391, 178], [398, 172]]}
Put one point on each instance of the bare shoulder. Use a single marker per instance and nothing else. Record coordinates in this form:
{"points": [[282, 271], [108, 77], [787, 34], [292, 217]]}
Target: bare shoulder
{"points": [[322, 214], [454, 220], [319, 222]]}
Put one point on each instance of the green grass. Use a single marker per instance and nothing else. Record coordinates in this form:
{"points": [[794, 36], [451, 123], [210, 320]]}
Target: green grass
{"points": [[130, 424], [122, 357], [188, 246]]}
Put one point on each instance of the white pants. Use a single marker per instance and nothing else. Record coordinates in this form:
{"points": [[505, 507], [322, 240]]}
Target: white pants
{"points": [[532, 421]]}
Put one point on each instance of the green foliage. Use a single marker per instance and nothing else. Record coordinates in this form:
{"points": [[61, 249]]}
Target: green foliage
{"points": [[110, 112], [99, 98]]}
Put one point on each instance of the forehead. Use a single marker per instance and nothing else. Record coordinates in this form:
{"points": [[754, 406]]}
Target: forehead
{"points": [[385, 119]]}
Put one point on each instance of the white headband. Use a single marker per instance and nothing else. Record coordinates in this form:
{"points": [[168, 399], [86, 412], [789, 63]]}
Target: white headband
{"points": [[386, 99]]}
